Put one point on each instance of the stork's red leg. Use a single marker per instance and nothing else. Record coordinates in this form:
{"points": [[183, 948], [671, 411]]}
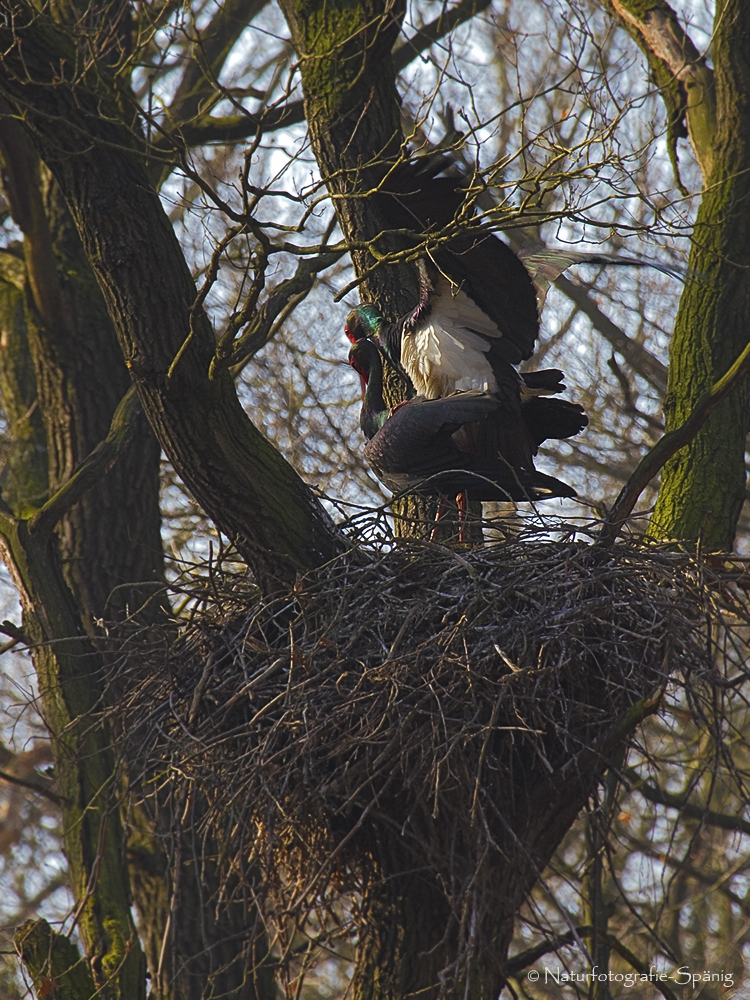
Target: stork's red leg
{"points": [[462, 503], [442, 504]]}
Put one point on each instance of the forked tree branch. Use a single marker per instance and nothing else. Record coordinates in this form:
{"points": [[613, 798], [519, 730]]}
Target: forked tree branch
{"points": [[640, 360], [685, 81], [32, 786], [242, 482], [95, 465], [234, 128], [652, 463]]}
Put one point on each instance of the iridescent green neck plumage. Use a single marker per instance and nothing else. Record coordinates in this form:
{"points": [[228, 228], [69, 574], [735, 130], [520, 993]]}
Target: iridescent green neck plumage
{"points": [[366, 319]]}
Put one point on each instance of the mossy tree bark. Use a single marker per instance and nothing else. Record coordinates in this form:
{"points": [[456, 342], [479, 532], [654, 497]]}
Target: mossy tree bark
{"points": [[69, 676], [58, 367], [110, 541], [703, 485], [53, 963], [24, 482], [353, 114], [352, 111]]}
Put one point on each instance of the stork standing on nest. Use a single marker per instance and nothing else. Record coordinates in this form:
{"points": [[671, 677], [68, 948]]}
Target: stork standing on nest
{"points": [[434, 446], [521, 417], [478, 309], [476, 318]]}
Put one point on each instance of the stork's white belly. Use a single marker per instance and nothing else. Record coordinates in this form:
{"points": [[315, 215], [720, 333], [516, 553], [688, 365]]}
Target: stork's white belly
{"points": [[449, 351]]}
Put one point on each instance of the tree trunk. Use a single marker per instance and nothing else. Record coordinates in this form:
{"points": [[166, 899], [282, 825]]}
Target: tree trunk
{"points": [[353, 114], [401, 921], [23, 481], [70, 686], [54, 963], [703, 485], [109, 542]]}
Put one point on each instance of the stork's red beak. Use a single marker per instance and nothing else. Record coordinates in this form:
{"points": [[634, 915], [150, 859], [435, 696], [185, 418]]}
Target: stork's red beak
{"points": [[363, 375], [352, 334]]}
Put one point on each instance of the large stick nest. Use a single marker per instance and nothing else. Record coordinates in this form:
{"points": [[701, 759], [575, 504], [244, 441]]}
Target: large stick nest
{"points": [[414, 707]]}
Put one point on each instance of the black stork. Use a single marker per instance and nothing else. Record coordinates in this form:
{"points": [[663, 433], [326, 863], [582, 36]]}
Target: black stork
{"points": [[477, 314], [441, 356], [432, 445]]}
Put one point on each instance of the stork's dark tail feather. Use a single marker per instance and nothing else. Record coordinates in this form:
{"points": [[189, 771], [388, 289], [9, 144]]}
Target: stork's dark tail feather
{"points": [[490, 484], [553, 418], [546, 382]]}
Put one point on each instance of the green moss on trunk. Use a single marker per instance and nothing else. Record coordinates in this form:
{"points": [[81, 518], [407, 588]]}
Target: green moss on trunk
{"points": [[353, 113], [703, 486], [24, 478], [69, 677], [56, 968]]}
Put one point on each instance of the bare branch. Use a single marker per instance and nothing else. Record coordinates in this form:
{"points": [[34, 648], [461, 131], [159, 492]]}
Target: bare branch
{"points": [[640, 360], [685, 81], [442, 25], [287, 293], [652, 463], [683, 804], [33, 786], [95, 465], [235, 128]]}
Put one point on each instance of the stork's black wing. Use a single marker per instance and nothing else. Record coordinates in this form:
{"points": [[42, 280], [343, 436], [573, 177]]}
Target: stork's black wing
{"points": [[553, 418], [478, 262], [418, 436], [421, 447]]}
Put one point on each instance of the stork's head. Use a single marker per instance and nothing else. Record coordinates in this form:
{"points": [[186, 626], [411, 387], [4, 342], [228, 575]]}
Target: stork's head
{"points": [[363, 321]]}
